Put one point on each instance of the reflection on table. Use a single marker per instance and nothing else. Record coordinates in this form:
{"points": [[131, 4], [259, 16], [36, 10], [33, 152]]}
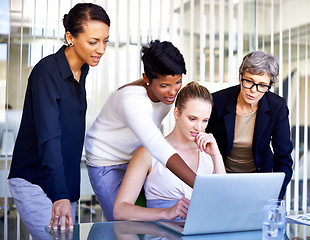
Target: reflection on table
{"points": [[148, 230], [297, 231]]}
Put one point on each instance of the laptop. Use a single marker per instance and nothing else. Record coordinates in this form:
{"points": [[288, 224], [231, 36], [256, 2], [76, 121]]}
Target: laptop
{"points": [[228, 203]]}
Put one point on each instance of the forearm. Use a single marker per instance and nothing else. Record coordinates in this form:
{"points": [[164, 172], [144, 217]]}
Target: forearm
{"points": [[218, 164], [52, 161], [128, 211], [176, 165], [287, 169]]}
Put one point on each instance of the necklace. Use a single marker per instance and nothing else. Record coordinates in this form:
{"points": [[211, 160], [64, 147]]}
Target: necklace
{"points": [[252, 110]]}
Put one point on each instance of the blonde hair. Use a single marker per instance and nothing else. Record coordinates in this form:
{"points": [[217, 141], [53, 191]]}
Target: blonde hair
{"points": [[192, 90]]}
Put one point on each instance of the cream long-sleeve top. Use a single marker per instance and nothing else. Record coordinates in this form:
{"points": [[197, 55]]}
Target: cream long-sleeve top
{"points": [[128, 120]]}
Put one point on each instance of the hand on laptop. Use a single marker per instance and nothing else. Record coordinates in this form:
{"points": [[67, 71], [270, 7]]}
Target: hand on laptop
{"points": [[179, 209]]}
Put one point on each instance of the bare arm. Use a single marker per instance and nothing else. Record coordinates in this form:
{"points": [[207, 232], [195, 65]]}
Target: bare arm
{"points": [[136, 173], [206, 142], [177, 165], [218, 164]]}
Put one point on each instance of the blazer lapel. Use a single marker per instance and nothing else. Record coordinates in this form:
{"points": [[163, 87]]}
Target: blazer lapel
{"points": [[230, 117], [262, 120]]}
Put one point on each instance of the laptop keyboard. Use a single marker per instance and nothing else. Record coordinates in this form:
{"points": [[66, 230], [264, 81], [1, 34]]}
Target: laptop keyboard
{"points": [[181, 224]]}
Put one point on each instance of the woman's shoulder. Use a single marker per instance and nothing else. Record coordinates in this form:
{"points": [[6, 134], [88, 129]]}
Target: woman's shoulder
{"points": [[53, 62], [136, 96], [274, 96], [140, 82], [130, 95], [46, 65], [274, 105], [142, 156], [274, 100], [134, 90], [225, 97], [44, 71], [226, 92]]}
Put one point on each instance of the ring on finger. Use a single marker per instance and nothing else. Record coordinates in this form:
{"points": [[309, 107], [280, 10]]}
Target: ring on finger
{"points": [[56, 216]]}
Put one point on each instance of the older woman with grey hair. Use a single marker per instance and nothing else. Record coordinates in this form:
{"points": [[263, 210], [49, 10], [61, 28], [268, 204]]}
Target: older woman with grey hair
{"points": [[250, 123]]}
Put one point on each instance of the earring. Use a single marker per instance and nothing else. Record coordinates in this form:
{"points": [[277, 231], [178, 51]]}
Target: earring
{"points": [[147, 84], [71, 44]]}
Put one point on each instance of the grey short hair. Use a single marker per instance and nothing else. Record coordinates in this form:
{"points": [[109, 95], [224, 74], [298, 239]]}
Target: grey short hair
{"points": [[259, 62]]}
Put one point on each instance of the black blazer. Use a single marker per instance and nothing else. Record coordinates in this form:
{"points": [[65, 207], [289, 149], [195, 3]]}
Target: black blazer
{"points": [[271, 126]]}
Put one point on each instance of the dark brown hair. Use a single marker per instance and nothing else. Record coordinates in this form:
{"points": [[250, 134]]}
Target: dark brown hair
{"points": [[75, 20]]}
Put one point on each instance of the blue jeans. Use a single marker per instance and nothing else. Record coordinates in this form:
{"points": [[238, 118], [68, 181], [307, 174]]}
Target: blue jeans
{"points": [[159, 203], [33, 206], [106, 182]]}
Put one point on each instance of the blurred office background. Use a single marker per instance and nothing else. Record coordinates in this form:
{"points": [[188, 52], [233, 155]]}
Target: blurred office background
{"points": [[213, 36]]}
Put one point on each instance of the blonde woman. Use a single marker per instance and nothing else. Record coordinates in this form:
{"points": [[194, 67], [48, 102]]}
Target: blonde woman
{"points": [[166, 195]]}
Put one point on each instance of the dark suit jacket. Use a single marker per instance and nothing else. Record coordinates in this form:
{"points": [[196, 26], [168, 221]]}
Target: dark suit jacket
{"points": [[271, 126]]}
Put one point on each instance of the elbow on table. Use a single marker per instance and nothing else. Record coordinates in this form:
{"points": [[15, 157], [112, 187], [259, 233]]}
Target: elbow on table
{"points": [[117, 213]]}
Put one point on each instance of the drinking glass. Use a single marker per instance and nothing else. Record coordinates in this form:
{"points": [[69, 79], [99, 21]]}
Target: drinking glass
{"points": [[274, 220], [278, 202]]}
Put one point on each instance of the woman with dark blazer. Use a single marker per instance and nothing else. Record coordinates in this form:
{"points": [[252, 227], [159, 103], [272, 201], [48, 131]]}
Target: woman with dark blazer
{"points": [[250, 123]]}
